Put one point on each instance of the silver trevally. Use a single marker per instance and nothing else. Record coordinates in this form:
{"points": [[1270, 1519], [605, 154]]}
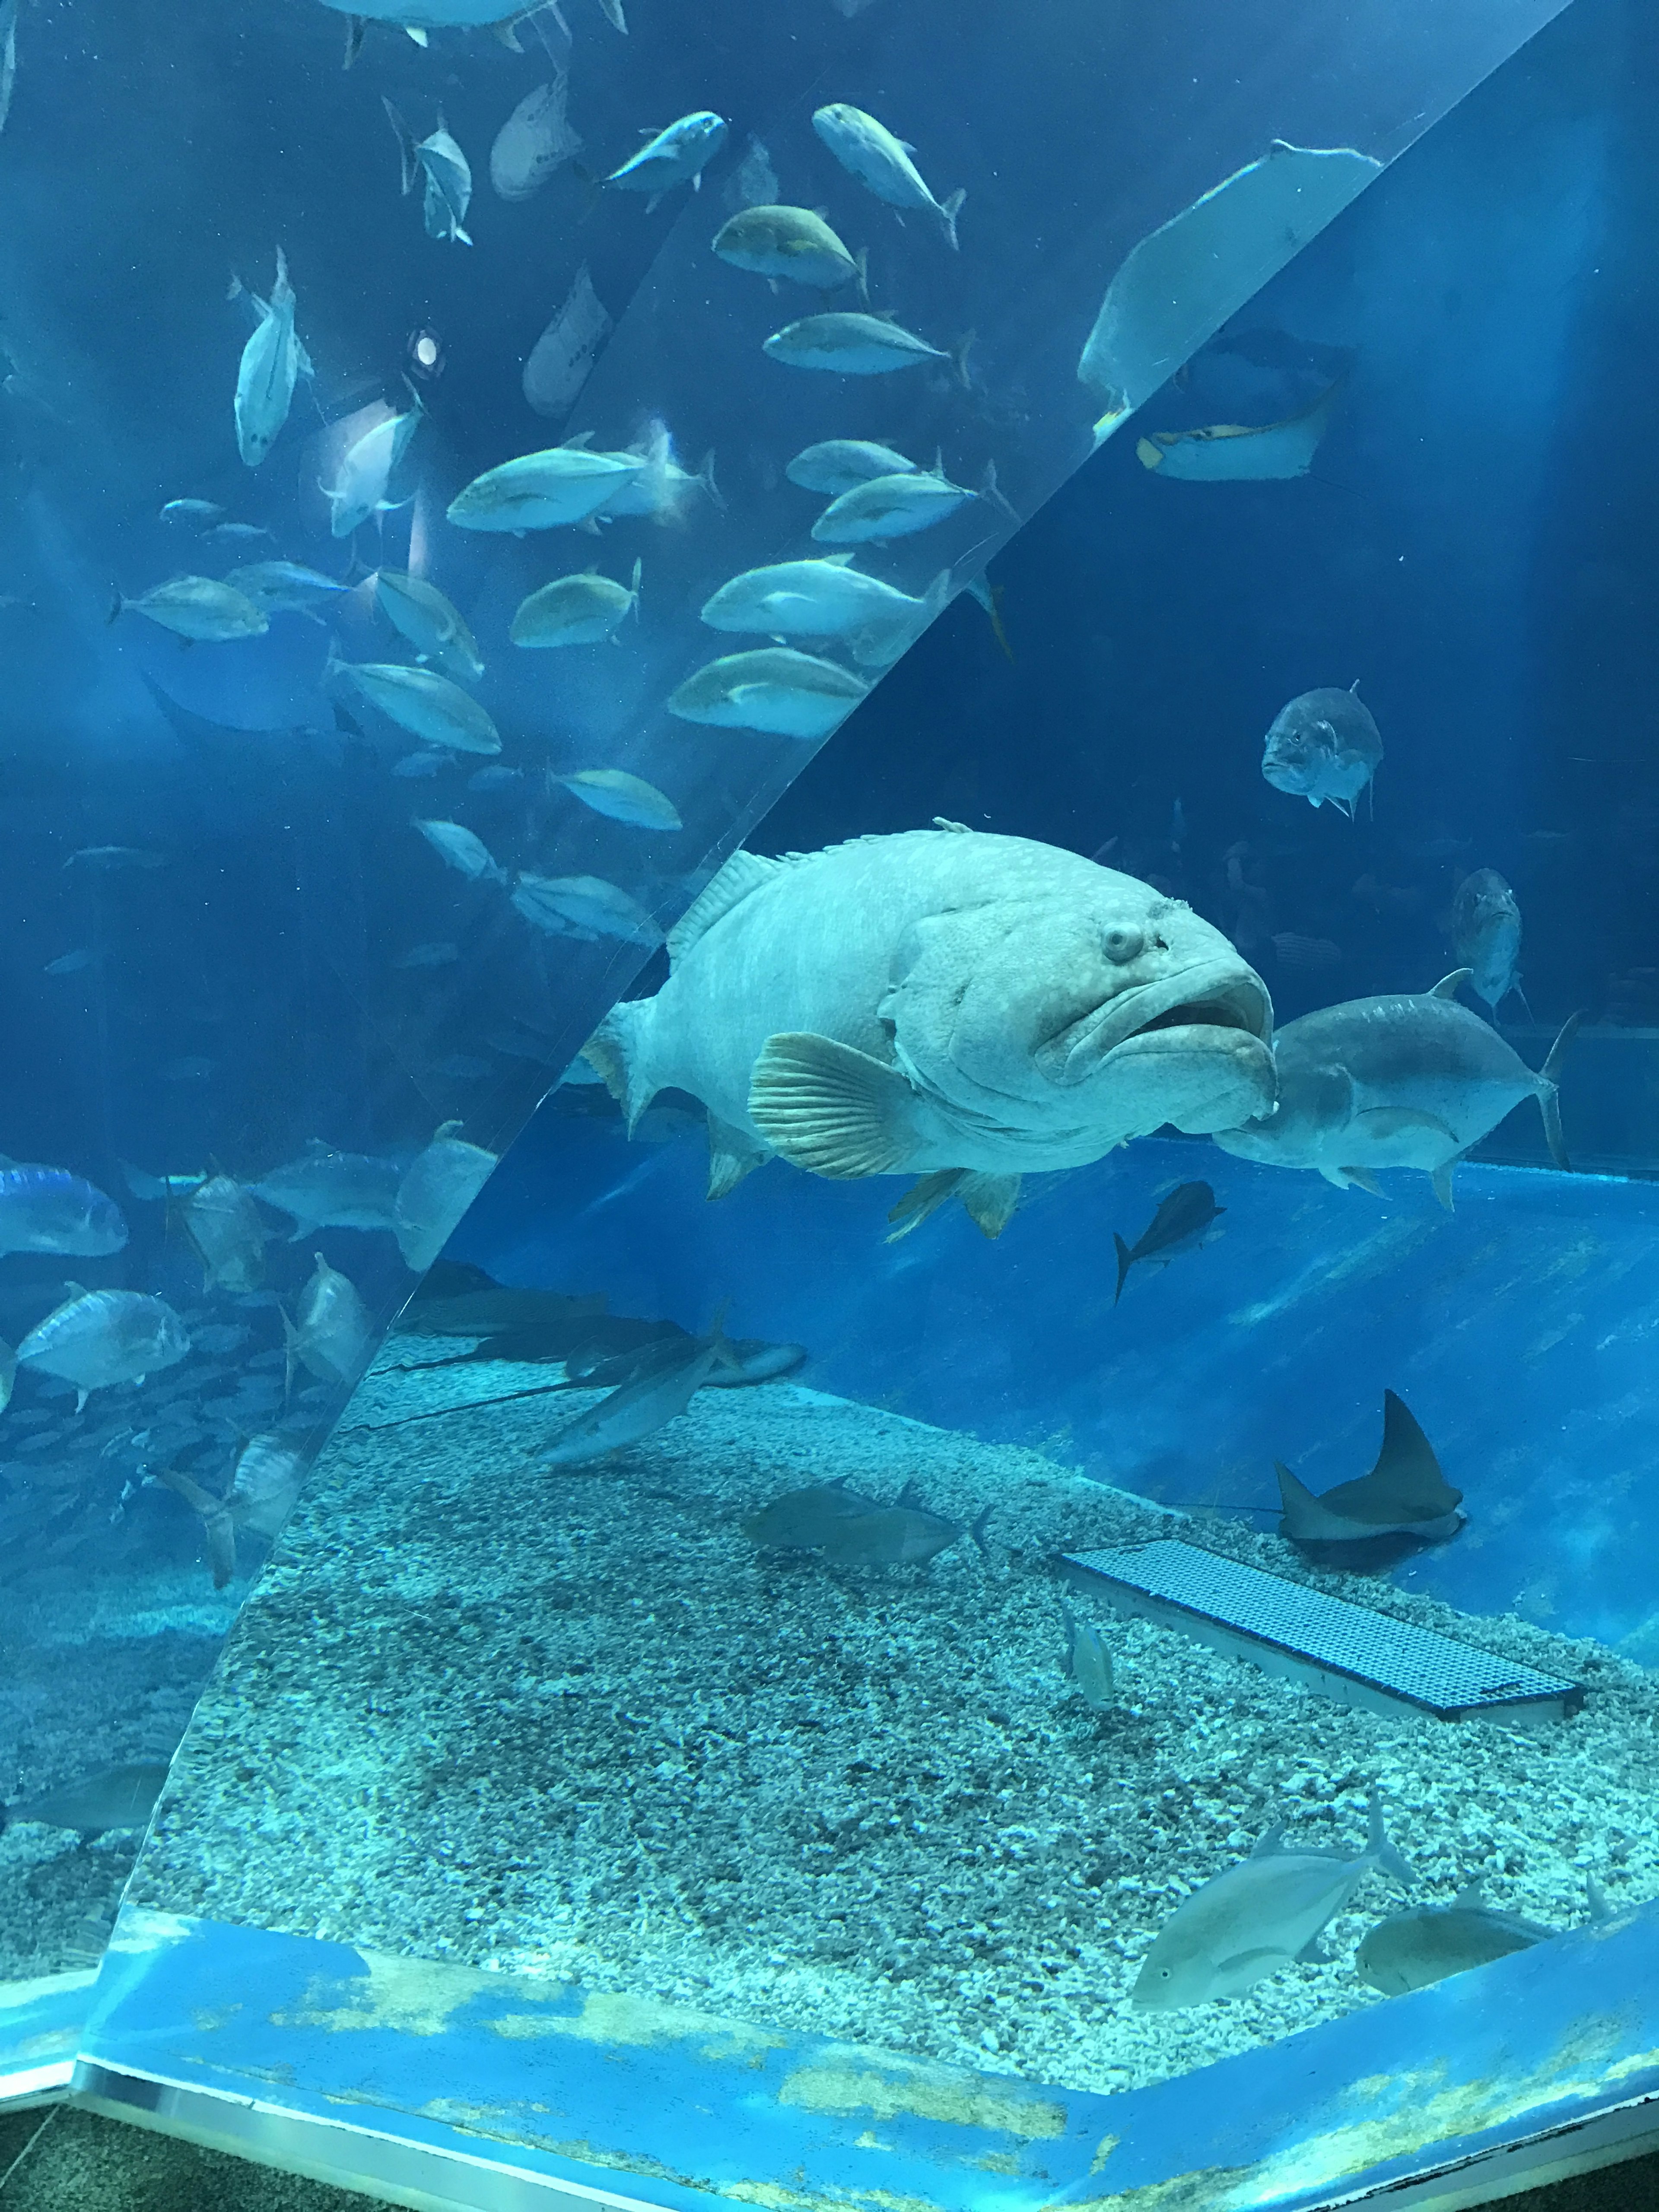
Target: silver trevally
{"points": [[839, 465], [624, 798], [898, 506], [460, 848], [330, 1333], [785, 693], [824, 598], [661, 488], [1324, 745], [534, 142], [587, 904], [1414, 1949], [868, 151], [325, 1188], [543, 491], [788, 244], [627, 1416], [198, 608], [1408, 1081], [270, 1470], [1088, 1661], [286, 586], [1258, 1918], [419, 700], [441, 1183], [97, 1338], [1241, 453], [222, 1222], [1486, 937], [359, 490], [673, 156], [582, 610], [448, 177], [852, 345], [430, 621], [269, 370], [50, 1210], [940, 1000]]}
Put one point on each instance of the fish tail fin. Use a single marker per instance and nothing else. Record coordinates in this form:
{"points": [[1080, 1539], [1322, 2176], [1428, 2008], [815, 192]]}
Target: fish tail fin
{"points": [[633, 586], [592, 187], [1388, 1860], [1516, 991], [991, 492], [977, 1527], [1125, 1262], [408, 157], [964, 346], [706, 478], [950, 210], [117, 603], [356, 31], [861, 262], [1549, 1098], [616, 1050], [8, 1374]]}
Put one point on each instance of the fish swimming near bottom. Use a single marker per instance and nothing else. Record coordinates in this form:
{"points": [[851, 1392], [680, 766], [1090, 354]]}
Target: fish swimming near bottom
{"points": [[1413, 1080], [1088, 1661], [1178, 1225], [1405, 1494], [114, 1797], [1413, 1950], [639, 1408], [1258, 1918], [847, 1529]]}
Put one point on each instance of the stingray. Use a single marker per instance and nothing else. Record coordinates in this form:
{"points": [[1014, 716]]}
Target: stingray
{"points": [[1405, 1494]]}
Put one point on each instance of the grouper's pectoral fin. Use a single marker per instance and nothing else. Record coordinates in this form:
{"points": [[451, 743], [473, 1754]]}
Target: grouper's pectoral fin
{"points": [[831, 1109], [731, 1155], [988, 1199]]}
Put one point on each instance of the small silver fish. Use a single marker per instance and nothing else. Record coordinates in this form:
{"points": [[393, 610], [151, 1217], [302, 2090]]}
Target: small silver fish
{"points": [[458, 847], [265, 377], [850, 344], [868, 151], [1258, 1918], [640, 1408], [1324, 745], [418, 700], [622, 798], [359, 490], [778, 690], [885, 507], [97, 1338], [328, 1190], [841, 464], [431, 623], [676, 155], [196, 608], [1486, 934], [1413, 1950], [448, 177], [788, 245], [1088, 1661], [199, 513], [440, 1184], [114, 1797], [585, 905], [223, 1224], [330, 1334], [580, 610]]}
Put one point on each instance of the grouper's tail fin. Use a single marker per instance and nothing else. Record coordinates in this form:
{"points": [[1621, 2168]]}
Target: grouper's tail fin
{"points": [[616, 1051], [1549, 1098]]}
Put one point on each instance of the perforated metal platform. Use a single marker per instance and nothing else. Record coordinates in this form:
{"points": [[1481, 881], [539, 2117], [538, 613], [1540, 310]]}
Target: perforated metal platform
{"points": [[1345, 1651]]}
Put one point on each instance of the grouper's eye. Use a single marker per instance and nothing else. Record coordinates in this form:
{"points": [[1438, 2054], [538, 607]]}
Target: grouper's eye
{"points": [[1123, 943]]}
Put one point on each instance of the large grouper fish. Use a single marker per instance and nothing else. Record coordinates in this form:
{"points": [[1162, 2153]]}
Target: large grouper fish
{"points": [[960, 1007]]}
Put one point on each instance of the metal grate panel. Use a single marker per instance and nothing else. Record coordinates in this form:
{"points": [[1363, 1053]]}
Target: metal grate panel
{"points": [[1350, 1652]]}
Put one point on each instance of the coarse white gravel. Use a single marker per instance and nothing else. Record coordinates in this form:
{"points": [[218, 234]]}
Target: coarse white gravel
{"points": [[576, 1724]]}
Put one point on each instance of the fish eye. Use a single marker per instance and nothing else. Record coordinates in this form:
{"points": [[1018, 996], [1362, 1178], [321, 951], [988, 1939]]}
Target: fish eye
{"points": [[1123, 943]]}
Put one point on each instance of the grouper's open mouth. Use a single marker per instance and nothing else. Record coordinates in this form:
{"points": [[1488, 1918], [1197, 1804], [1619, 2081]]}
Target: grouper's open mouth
{"points": [[1207, 1001]]}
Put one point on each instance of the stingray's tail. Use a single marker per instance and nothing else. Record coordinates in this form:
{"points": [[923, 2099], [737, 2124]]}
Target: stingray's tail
{"points": [[1549, 1098], [1125, 1262]]}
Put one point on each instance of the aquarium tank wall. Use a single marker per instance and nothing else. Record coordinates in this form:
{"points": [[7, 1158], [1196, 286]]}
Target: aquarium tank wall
{"points": [[826, 1241]]}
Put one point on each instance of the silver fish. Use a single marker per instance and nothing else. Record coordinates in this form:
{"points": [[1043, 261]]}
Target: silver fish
{"points": [[624, 798], [448, 178], [1324, 745], [279, 587], [780, 691], [197, 608], [359, 491], [580, 609], [1088, 1660], [640, 1408], [849, 344], [328, 1190], [885, 507], [788, 245], [97, 1338], [1179, 1223], [199, 513], [868, 151], [441, 1183], [430, 621], [330, 1333], [823, 598], [1413, 1950], [676, 155], [269, 1472], [460, 848], [269, 370], [1257, 1918], [114, 1797], [588, 904], [49, 1210], [555, 489], [418, 700], [1486, 938], [222, 1224], [841, 464]]}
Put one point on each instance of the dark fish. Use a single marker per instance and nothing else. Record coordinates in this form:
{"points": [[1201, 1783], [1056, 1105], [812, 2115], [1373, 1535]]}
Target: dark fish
{"points": [[457, 1299], [752, 1360], [115, 1797], [627, 1416], [1177, 1227], [847, 1529], [1405, 1494]]}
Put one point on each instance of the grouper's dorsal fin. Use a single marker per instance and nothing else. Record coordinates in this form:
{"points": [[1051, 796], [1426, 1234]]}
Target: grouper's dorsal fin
{"points": [[1449, 986], [1407, 1470], [743, 874]]}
